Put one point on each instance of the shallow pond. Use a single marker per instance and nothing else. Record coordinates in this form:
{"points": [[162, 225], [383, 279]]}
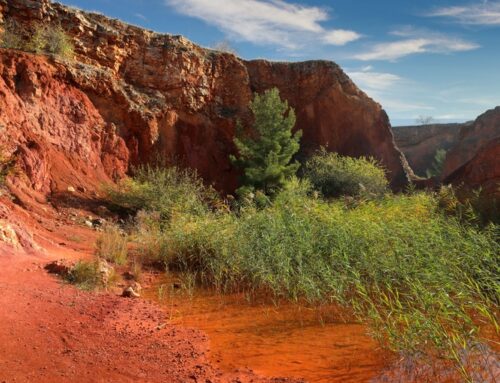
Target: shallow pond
{"points": [[276, 340]]}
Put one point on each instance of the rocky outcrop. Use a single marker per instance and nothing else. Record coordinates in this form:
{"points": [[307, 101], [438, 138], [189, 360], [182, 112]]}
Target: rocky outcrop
{"points": [[420, 143], [482, 171], [472, 139], [155, 94], [331, 111], [52, 130], [475, 160]]}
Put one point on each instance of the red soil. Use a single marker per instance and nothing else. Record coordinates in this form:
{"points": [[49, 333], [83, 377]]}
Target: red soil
{"points": [[52, 332]]}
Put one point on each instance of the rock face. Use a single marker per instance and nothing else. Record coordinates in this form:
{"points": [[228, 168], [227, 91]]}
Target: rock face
{"points": [[52, 129], [331, 111], [475, 159], [420, 143], [133, 94]]}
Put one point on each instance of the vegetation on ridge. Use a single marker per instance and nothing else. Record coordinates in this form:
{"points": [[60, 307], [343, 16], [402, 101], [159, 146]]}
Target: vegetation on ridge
{"points": [[44, 39]]}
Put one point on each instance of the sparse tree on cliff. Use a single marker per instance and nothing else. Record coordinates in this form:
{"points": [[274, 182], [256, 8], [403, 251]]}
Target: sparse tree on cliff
{"points": [[265, 153], [424, 120]]}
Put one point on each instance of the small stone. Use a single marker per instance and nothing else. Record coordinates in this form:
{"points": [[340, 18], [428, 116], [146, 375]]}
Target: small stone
{"points": [[89, 223], [136, 286], [130, 293], [71, 189], [98, 222], [60, 267]]}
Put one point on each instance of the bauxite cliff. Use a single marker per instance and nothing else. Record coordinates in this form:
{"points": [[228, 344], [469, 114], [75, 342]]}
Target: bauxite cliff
{"points": [[475, 160], [419, 143], [132, 94]]}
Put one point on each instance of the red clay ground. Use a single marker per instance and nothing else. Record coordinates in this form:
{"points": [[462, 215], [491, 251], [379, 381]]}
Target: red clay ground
{"points": [[51, 332]]}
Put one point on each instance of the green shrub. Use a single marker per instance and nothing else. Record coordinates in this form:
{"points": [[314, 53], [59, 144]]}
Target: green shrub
{"points": [[335, 175], [165, 191], [469, 206], [51, 39], [111, 245], [265, 153], [11, 36], [148, 238], [416, 275], [437, 165], [422, 277], [91, 275]]}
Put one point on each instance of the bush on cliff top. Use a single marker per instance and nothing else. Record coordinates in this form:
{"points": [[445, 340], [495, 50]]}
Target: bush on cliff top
{"points": [[45, 39], [51, 39], [10, 37]]}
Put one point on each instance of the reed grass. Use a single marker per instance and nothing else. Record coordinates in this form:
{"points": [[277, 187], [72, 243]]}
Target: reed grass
{"points": [[424, 279]]}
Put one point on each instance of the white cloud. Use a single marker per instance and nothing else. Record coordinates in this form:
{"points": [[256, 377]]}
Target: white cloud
{"points": [[366, 79], [274, 22], [485, 13], [413, 42], [340, 37], [140, 16], [390, 90]]}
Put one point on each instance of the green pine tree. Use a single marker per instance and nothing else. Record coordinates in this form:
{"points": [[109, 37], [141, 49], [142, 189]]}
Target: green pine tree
{"points": [[265, 153]]}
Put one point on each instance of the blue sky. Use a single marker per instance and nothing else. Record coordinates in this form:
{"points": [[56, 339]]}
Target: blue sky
{"points": [[436, 58]]}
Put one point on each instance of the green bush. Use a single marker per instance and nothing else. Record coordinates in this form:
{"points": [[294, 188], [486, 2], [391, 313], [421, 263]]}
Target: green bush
{"points": [[111, 245], [165, 191], [335, 175], [416, 275], [51, 39], [91, 275], [11, 36], [419, 275], [265, 153], [437, 165], [469, 206]]}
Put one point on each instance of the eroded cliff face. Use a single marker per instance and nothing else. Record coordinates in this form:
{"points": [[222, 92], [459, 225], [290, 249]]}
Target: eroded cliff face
{"points": [[475, 160], [420, 143], [133, 94]]}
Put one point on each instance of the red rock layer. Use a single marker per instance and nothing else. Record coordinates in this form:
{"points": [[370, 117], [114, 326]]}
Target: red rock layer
{"points": [[475, 160], [164, 95]]}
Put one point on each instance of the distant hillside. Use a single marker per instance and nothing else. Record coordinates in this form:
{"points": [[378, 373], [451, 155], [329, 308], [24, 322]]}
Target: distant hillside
{"points": [[419, 143]]}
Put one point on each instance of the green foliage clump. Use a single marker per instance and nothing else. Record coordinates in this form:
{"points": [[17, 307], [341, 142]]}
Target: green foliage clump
{"points": [[164, 191], [44, 39], [11, 37], [335, 175], [112, 245], [408, 265], [51, 39], [469, 206], [265, 153], [91, 275], [415, 274], [437, 165]]}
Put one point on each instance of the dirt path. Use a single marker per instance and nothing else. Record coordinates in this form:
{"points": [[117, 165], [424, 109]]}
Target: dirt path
{"points": [[51, 332]]}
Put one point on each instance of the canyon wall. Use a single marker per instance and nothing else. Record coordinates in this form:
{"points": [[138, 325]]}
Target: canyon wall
{"points": [[420, 143], [475, 160], [132, 95]]}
